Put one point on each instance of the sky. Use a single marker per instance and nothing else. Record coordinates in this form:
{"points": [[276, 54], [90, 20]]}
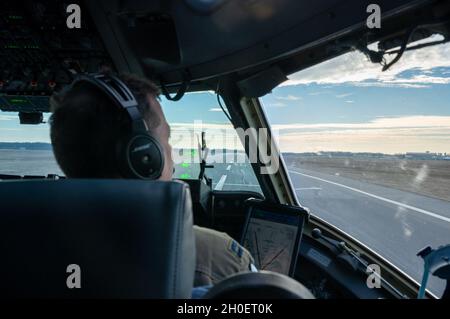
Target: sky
{"points": [[344, 104], [349, 104]]}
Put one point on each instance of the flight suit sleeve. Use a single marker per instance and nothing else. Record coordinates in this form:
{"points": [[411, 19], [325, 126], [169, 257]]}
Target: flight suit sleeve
{"points": [[218, 256]]}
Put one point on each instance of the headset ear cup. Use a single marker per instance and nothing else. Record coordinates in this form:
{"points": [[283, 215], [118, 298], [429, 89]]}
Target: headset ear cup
{"points": [[144, 157], [122, 157]]}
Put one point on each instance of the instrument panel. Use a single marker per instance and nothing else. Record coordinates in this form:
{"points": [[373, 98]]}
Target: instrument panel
{"points": [[40, 54]]}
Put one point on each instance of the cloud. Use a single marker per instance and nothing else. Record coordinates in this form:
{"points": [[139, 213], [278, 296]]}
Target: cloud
{"points": [[288, 98], [380, 123], [8, 117], [215, 109], [354, 67], [199, 125], [422, 78], [382, 141], [391, 135], [349, 101], [390, 85], [276, 105], [316, 93], [340, 96], [10, 129], [385, 135], [414, 121]]}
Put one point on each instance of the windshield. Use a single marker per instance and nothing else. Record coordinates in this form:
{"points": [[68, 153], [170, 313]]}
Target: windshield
{"points": [[369, 151], [200, 112], [26, 149]]}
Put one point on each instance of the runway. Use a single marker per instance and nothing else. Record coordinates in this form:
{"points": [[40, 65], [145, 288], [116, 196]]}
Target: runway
{"points": [[394, 223]]}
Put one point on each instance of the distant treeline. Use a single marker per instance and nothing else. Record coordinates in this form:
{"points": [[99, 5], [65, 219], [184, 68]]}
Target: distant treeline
{"points": [[287, 155], [365, 155], [25, 146]]}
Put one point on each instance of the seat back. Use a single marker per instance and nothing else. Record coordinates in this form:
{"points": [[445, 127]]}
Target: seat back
{"points": [[113, 238]]}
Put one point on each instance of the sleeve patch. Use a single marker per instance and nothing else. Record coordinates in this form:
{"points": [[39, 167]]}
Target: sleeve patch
{"points": [[236, 248]]}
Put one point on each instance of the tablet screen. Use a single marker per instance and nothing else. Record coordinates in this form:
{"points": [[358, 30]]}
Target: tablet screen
{"points": [[272, 239]]}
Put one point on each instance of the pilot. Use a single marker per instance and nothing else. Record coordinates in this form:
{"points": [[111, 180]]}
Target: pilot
{"points": [[85, 127]]}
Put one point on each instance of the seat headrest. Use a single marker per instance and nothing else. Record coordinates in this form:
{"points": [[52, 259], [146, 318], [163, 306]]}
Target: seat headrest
{"points": [[130, 239]]}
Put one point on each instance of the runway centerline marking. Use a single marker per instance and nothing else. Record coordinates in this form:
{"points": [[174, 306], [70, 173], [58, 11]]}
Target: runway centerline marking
{"points": [[416, 209], [221, 182], [308, 188]]}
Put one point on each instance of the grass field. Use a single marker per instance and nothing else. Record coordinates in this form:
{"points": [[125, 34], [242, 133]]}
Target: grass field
{"points": [[425, 177]]}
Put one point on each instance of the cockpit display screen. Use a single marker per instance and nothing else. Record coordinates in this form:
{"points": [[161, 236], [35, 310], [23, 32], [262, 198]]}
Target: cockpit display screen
{"points": [[273, 238]]}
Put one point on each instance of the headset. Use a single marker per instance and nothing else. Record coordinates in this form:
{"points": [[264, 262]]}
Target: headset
{"points": [[138, 154]]}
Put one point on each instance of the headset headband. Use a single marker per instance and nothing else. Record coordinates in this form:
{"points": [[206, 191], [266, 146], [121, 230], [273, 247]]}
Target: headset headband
{"points": [[119, 93]]}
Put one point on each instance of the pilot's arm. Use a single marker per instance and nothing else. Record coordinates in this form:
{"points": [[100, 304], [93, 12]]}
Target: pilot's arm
{"points": [[218, 256]]}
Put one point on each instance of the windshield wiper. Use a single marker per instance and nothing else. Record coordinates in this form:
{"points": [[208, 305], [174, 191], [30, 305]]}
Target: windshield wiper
{"points": [[351, 258]]}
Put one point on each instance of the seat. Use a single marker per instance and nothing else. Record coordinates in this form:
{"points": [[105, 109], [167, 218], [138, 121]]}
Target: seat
{"points": [[130, 239]]}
